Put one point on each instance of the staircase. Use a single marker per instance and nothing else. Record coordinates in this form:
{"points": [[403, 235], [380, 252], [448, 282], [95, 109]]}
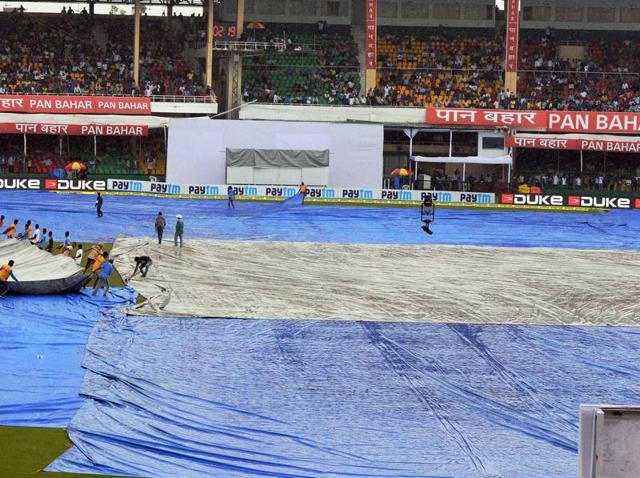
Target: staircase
{"points": [[100, 36], [359, 35]]}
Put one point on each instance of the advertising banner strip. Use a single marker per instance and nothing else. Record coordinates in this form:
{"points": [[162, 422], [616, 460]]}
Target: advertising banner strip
{"points": [[573, 144], [603, 202], [494, 118], [288, 191], [512, 37], [74, 129], [550, 121], [371, 39], [51, 184], [120, 105]]}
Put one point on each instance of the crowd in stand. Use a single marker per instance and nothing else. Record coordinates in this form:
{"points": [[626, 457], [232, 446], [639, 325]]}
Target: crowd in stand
{"points": [[547, 170], [72, 54], [320, 66], [456, 69], [441, 68], [114, 157], [80, 54], [591, 182]]}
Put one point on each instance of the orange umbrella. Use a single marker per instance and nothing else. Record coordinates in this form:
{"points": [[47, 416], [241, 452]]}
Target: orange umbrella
{"points": [[75, 166], [401, 172], [255, 26]]}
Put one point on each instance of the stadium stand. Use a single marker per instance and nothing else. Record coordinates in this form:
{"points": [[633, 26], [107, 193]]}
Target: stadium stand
{"points": [[463, 68], [545, 169], [115, 158], [68, 54], [316, 69], [441, 67]]}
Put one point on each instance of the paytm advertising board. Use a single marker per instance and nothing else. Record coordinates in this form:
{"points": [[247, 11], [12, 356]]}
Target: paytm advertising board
{"points": [[288, 191], [571, 200]]}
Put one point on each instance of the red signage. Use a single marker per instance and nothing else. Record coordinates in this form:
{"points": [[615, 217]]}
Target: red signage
{"points": [[121, 105], [494, 118], [551, 121], [610, 146], [593, 122], [74, 129], [371, 35], [513, 33]]}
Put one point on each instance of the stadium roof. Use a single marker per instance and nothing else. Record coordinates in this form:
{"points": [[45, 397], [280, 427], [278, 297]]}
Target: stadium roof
{"points": [[193, 3]]}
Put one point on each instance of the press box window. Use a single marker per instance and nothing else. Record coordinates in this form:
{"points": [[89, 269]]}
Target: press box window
{"points": [[492, 142]]}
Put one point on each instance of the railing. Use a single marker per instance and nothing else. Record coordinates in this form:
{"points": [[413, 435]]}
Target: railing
{"points": [[183, 99], [580, 72], [154, 98], [500, 71], [258, 66], [297, 47], [248, 46]]}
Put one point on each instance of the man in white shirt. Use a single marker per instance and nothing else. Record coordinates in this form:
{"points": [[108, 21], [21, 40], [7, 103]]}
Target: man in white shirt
{"points": [[36, 235], [78, 257]]}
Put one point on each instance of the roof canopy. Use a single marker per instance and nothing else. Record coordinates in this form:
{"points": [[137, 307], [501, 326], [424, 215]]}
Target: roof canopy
{"points": [[463, 159]]}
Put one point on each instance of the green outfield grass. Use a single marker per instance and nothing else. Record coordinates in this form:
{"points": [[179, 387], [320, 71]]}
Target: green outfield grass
{"points": [[26, 451]]}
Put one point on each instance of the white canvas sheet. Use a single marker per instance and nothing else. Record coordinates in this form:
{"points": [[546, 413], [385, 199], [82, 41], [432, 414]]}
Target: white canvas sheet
{"points": [[197, 148], [275, 280], [32, 264]]}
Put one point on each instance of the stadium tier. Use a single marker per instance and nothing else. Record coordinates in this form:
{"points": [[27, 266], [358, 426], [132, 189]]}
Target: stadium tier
{"points": [[73, 55], [319, 68]]}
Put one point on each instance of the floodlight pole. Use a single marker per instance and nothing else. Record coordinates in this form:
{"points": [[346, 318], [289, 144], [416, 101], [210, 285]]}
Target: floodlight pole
{"points": [[209, 72], [136, 43], [240, 19]]}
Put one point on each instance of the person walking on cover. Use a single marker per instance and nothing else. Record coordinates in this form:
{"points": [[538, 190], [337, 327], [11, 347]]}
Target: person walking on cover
{"points": [[161, 223], [99, 201], [6, 271], [179, 230], [231, 195]]}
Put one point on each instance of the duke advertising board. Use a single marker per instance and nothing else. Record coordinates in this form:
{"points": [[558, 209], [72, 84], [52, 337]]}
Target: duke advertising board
{"points": [[587, 201]]}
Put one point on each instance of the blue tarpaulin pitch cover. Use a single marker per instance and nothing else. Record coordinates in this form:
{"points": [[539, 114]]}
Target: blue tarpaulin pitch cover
{"points": [[42, 345], [219, 397]]}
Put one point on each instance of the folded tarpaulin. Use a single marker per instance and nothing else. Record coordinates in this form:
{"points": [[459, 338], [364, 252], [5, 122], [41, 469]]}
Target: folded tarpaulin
{"points": [[40, 272], [277, 158]]}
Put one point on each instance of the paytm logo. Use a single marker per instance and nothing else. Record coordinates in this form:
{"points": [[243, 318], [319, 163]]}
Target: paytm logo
{"points": [[245, 191], [438, 197], [203, 190], [280, 192], [357, 194], [165, 188], [476, 198], [397, 195], [134, 186], [325, 193]]}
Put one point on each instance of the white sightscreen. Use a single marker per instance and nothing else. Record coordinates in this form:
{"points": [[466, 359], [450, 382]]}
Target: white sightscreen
{"points": [[196, 151], [266, 176]]}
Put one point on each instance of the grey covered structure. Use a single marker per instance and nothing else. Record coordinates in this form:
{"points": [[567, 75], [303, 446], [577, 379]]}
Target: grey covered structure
{"points": [[277, 158]]}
